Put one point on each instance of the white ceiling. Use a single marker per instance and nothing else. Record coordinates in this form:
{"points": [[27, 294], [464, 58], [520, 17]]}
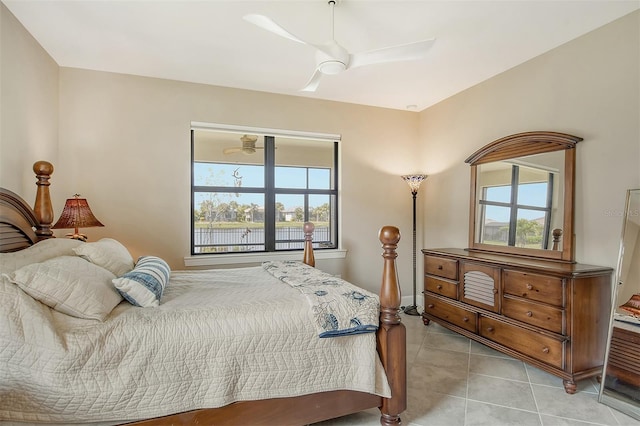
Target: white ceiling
{"points": [[209, 42]]}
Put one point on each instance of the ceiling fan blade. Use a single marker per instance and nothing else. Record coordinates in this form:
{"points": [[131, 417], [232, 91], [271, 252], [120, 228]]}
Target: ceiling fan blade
{"points": [[231, 150], [313, 82], [268, 24], [404, 52]]}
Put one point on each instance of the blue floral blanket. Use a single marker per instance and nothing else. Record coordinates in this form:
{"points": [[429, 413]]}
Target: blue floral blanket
{"points": [[339, 307]]}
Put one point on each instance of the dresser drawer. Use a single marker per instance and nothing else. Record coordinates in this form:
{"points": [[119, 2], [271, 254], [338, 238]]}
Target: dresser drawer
{"points": [[536, 345], [443, 287], [441, 267], [543, 288], [458, 316], [544, 316]]}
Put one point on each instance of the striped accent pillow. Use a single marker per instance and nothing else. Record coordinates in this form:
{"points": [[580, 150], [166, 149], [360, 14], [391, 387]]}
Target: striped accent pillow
{"points": [[144, 285]]}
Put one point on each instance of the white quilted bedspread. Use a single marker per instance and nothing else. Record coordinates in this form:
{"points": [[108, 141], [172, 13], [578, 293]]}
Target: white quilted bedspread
{"points": [[217, 337]]}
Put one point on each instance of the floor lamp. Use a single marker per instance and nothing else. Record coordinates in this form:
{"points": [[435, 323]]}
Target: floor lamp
{"points": [[414, 182]]}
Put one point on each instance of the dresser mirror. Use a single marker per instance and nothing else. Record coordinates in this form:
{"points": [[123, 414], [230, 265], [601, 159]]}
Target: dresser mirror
{"points": [[620, 387], [522, 191]]}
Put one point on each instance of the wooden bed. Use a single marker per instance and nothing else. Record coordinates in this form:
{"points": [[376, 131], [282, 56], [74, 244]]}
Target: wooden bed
{"points": [[21, 226]]}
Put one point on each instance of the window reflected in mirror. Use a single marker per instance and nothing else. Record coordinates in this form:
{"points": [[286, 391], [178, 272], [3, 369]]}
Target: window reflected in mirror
{"points": [[519, 201]]}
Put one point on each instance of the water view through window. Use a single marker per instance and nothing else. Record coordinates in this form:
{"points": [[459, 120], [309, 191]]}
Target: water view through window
{"points": [[255, 196]]}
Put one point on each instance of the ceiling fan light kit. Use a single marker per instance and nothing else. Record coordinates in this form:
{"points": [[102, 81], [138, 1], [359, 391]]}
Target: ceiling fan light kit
{"points": [[333, 59]]}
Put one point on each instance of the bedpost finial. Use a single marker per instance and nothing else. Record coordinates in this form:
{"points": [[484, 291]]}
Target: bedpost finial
{"points": [[389, 235], [557, 234], [42, 168], [308, 228]]}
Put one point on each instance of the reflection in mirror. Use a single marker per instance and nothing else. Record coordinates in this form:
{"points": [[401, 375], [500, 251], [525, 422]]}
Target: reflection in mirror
{"points": [[621, 384], [518, 201]]}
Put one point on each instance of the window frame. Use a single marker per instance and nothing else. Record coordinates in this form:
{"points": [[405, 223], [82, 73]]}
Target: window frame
{"points": [[270, 191]]}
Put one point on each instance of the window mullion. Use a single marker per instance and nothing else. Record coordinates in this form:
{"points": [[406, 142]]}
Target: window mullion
{"points": [[193, 195], [547, 218], [270, 193], [513, 218]]}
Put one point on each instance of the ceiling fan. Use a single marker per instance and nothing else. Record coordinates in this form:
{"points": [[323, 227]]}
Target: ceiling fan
{"points": [[248, 146], [332, 58]]}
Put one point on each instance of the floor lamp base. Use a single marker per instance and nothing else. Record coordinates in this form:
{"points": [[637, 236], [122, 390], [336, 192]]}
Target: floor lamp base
{"points": [[411, 310]]}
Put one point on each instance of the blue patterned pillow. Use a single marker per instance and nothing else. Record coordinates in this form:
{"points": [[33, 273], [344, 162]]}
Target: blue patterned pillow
{"points": [[144, 285]]}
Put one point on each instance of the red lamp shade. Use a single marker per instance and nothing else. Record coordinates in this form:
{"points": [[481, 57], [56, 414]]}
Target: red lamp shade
{"points": [[76, 214], [632, 305]]}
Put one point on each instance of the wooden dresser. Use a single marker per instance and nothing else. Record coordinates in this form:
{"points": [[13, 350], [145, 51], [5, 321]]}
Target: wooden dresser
{"points": [[552, 315]]}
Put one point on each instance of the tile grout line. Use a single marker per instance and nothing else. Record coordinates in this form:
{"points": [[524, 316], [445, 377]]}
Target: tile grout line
{"points": [[466, 394], [573, 420], [507, 407], [535, 400]]}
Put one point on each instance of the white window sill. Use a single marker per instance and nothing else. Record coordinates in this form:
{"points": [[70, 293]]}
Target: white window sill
{"points": [[241, 258]]}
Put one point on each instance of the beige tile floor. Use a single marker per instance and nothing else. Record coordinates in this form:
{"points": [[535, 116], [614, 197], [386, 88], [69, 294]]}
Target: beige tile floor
{"points": [[453, 381]]}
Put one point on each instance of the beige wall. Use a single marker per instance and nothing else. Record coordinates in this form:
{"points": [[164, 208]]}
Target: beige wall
{"points": [[125, 145], [28, 106], [589, 87]]}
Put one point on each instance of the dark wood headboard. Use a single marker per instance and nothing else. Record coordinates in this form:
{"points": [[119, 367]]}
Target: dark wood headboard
{"points": [[17, 222], [20, 225]]}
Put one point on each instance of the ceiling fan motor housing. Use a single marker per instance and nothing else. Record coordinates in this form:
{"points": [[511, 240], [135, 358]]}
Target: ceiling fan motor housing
{"points": [[332, 59]]}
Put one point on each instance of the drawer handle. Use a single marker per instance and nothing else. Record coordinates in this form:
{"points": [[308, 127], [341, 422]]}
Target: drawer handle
{"points": [[465, 319], [495, 291], [439, 287], [545, 350], [440, 267], [490, 329], [529, 313], [430, 306], [529, 286]]}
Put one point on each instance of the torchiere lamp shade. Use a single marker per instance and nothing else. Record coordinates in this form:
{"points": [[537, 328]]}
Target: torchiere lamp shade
{"points": [[414, 181], [76, 214]]}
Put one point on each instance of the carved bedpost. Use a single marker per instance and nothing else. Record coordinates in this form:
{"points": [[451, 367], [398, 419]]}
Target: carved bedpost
{"points": [[392, 344], [308, 256], [43, 207]]}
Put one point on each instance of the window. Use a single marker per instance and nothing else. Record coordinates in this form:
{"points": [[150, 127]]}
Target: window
{"points": [[515, 206], [252, 190]]}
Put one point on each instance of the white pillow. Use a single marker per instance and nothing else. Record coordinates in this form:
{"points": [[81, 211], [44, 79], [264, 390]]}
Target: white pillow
{"points": [[108, 254], [71, 285], [145, 284], [39, 252]]}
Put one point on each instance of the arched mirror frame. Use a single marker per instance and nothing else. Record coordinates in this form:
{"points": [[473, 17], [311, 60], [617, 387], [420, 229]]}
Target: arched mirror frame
{"points": [[521, 145]]}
